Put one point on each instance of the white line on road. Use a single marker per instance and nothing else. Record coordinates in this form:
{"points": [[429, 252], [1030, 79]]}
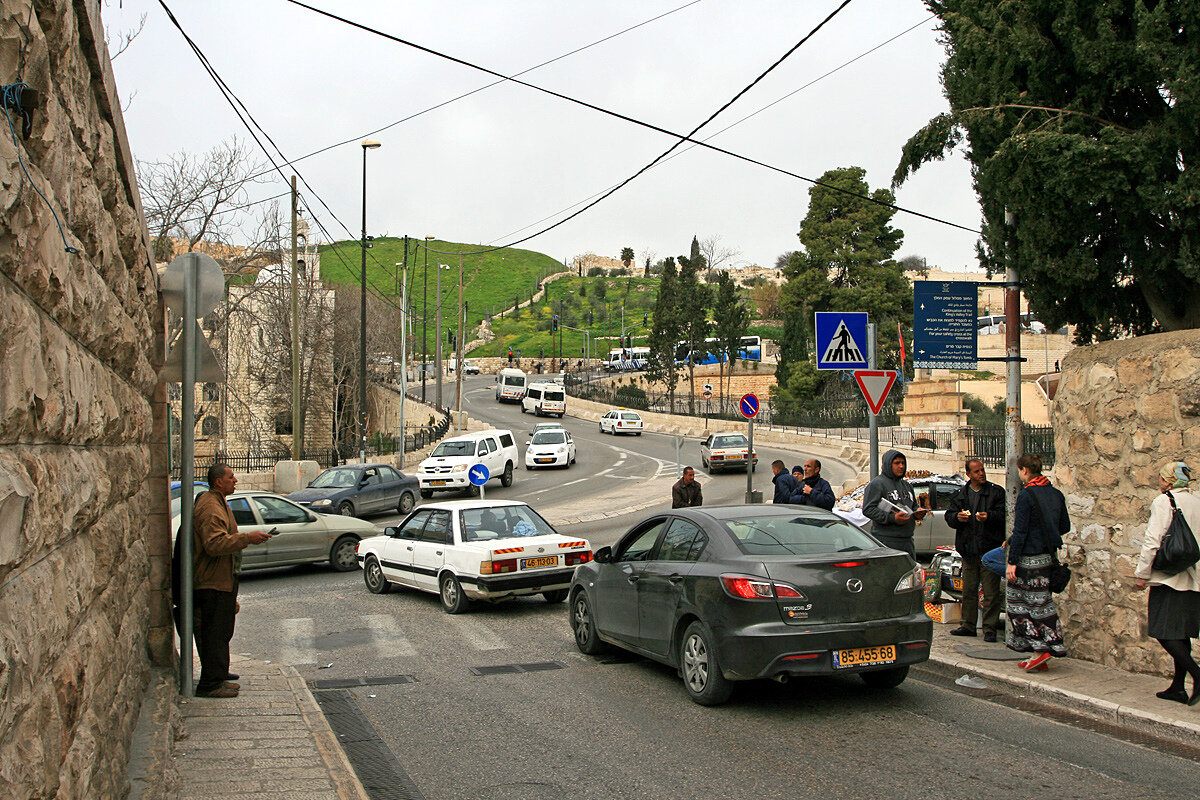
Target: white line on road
{"points": [[389, 640], [297, 634], [477, 633]]}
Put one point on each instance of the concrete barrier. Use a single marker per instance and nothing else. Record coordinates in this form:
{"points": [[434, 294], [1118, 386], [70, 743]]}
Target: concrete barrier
{"points": [[291, 476]]}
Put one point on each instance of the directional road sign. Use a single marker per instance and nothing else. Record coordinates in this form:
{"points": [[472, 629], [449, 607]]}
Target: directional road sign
{"points": [[708, 387], [875, 385], [842, 340], [210, 282], [945, 329], [749, 406], [478, 475]]}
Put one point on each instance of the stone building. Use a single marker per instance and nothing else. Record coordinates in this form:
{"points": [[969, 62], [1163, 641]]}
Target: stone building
{"points": [[84, 543]]}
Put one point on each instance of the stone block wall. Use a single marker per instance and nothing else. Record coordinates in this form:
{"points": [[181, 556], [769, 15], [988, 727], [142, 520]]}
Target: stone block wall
{"points": [[1122, 410], [83, 534]]}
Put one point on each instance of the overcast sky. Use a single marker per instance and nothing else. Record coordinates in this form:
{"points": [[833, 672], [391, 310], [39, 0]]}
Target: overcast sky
{"points": [[488, 168]]}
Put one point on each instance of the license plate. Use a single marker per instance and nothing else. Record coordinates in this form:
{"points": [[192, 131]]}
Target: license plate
{"points": [[957, 582], [864, 656], [437, 483], [544, 460], [545, 561]]}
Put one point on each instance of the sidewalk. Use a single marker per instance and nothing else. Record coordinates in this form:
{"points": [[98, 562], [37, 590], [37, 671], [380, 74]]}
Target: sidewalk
{"points": [[1112, 694], [272, 741]]}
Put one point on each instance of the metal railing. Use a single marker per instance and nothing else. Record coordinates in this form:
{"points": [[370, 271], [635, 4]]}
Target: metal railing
{"points": [[987, 444]]}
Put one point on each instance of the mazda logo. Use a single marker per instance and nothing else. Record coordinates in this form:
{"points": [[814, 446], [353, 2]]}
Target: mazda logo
{"points": [[854, 585]]}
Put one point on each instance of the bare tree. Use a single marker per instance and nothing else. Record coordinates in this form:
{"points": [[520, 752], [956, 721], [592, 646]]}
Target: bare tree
{"points": [[717, 255], [765, 297]]}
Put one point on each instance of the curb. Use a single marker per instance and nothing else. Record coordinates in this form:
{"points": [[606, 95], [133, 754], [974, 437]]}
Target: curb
{"points": [[1106, 710], [344, 778]]}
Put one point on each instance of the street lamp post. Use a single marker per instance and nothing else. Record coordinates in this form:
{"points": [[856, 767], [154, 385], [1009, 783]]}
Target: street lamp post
{"points": [[367, 144], [425, 317], [438, 336]]}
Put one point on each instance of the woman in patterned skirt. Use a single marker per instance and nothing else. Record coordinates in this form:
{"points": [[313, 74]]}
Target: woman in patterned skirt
{"points": [[1039, 521]]}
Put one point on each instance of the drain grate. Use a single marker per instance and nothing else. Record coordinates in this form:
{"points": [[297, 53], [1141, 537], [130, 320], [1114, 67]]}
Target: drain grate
{"points": [[351, 683], [376, 766], [516, 669]]}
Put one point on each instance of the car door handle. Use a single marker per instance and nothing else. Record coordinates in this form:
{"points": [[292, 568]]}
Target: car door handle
{"points": [[675, 577], [633, 579], [408, 548], [439, 552]]}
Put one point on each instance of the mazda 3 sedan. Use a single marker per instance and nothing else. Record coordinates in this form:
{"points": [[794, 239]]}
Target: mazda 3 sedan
{"points": [[732, 593]]}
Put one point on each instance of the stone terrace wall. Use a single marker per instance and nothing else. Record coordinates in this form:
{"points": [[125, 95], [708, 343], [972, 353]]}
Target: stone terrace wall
{"points": [[1122, 410], [83, 614]]}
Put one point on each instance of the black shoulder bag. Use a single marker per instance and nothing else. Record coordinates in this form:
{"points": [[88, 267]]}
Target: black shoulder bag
{"points": [[1178, 550], [1060, 574]]}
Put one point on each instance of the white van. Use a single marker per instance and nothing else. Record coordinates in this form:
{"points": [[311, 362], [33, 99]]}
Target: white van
{"points": [[446, 468], [510, 385], [544, 398]]}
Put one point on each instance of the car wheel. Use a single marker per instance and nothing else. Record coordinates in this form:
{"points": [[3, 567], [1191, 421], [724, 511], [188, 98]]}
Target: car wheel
{"points": [[639, 433], [506, 478], [584, 626], [701, 673], [346, 509], [885, 678], [343, 556], [528, 467], [373, 577], [407, 501], [426, 493], [555, 596], [451, 593]]}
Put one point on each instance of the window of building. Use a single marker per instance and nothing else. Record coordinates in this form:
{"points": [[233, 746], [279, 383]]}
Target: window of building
{"points": [[212, 393], [283, 423], [209, 426]]}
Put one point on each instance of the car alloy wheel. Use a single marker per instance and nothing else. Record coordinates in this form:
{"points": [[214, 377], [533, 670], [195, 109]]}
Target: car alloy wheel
{"points": [[453, 599], [583, 626], [343, 556], [373, 577], [506, 478], [346, 509], [701, 673]]}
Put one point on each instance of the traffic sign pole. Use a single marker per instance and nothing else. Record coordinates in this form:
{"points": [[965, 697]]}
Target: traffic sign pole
{"points": [[750, 462], [874, 420]]}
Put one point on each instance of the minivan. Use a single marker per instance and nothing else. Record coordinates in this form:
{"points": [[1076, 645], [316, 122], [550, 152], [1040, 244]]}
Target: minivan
{"points": [[510, 385], [544, 398]]}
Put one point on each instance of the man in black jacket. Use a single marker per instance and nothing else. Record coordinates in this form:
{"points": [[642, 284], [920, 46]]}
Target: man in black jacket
{"points": [[785, 484], [686, 492], [813, 489], [977, 515]]}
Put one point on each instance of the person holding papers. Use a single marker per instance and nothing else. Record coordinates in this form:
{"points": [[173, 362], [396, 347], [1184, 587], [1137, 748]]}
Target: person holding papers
{"points": [[891, 504]]}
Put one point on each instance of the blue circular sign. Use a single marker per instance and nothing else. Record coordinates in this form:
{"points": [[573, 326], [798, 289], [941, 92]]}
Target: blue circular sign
{"points": [[478, 475], [749, 406]]}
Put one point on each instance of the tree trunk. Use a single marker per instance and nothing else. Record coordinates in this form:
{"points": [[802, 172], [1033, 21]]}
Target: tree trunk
{"points": [[1180, 311]]}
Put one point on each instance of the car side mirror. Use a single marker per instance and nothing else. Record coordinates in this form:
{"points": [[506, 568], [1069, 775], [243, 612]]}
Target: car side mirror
{"points": [[390, 531], [311, 516], [603, 556]]}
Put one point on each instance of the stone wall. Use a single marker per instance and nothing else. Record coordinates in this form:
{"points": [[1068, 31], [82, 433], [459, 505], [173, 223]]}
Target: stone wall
{"points": [[1122, 410], [83, 534]]}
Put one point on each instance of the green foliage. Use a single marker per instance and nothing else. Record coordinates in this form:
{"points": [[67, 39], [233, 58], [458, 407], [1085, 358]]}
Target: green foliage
{"points": [[627, 256], [731, 318], [666, 330], [1080, 120], [601, 290], [632, 396], [980, 415], [595, 272]]}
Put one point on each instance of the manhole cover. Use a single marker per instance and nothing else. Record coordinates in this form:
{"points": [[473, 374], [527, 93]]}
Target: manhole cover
{"points": [[990, 652]]}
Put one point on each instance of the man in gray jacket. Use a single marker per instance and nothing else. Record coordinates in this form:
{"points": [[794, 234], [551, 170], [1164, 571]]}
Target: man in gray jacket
{"points": [[891, 504]]}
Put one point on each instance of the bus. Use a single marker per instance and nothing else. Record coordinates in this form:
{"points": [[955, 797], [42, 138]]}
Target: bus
{"points": [[626, 359], [749, 349]]}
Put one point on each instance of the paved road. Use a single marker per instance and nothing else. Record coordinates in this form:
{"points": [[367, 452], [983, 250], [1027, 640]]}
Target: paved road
{"points": [[617, 726]]}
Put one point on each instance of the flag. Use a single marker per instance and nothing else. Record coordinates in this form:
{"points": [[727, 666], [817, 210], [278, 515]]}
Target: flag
{"points": [[903, 355]]}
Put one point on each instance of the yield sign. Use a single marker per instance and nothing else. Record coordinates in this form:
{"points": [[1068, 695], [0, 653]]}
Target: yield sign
{"points": [[875, 385]]}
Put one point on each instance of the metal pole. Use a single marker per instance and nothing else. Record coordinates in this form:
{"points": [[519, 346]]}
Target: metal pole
{"points": [[749, 464], [403, 346], [678, 462], [187, 436], [458, 357], [437, 394], [362, 327], [297, 445], [874, 421], [425, 320], [1013, 432]]}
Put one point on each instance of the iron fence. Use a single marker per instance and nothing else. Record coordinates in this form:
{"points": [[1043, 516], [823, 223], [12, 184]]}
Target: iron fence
{"points": [[987, 444]]}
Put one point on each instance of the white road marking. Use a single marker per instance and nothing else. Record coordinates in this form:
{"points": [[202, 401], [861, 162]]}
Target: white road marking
{"points": [[388, 639], [298, 635], [479, 635]]}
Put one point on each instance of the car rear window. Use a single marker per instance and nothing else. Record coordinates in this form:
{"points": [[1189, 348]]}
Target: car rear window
{"points": [[554, 396], [514, 380], [631, 416], [799, 535], [730, 441], [504, 522]]}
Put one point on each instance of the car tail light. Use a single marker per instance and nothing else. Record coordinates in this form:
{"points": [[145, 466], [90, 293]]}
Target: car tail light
{"points": [[913, 580], [757, 589], [581, 557], [497, 567], [849, 563]]}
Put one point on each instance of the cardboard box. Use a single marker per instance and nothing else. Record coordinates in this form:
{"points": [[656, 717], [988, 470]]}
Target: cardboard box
{"points": [[945, 613]]}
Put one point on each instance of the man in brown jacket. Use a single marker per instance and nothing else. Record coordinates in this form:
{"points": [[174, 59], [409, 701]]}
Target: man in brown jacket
{"points": [[686, 492], [216, 548]]}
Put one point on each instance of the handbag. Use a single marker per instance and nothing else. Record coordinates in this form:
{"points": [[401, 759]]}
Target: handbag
{"points": [[1178, 549]]}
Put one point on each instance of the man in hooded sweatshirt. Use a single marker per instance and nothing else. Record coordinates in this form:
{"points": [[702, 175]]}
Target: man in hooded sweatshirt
{"points": [[785, 484], [891, 504]]}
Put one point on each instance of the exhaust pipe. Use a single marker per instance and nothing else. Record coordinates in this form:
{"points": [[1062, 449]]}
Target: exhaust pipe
{"points": [[782, 677]]}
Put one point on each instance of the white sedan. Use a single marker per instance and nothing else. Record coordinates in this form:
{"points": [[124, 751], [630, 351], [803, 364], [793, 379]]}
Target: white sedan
{"points": [[621, 421], [465, 550], [553, 447]]}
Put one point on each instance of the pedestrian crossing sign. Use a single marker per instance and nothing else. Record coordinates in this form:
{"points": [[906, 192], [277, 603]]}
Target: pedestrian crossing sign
{"points": [[841, 340]]}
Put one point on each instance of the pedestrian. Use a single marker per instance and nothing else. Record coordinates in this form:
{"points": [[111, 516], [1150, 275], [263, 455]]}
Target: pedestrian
{"points": [[976, 512], [216, 548], [1174, 603], [1039, 521], [686, 492], [785, 485], [813, 490], [891, 504]]}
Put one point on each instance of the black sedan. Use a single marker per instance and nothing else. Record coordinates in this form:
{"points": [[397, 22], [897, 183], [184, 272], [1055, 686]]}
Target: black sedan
{"points": [[731, 593], [358, 489]]}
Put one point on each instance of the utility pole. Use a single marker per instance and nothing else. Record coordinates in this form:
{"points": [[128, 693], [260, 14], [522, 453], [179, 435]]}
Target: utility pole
{"points": [[297, 442], [1013, 431], [403, 346], [458, 356], [437, 394], [873, 420], [425, 318]]}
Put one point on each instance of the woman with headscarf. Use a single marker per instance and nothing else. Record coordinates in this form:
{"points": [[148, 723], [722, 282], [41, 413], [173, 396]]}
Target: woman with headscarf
{"points": [[1174, 604], [1039, 521]]}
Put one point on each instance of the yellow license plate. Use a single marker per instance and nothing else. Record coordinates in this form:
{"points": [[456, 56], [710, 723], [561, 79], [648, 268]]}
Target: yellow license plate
{"points": [[864, 656], [545, 561], [544, 460], [957, 583], [437, 483]]}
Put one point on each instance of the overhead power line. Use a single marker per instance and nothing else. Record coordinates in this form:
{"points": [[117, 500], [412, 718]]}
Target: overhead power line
{"points": [[632, 120]]}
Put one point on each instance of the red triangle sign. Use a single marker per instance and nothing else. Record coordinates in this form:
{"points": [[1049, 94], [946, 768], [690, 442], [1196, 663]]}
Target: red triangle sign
{"points": [[875, 385]]}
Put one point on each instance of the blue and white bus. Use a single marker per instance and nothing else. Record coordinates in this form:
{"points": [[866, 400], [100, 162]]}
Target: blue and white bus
{"points": [[749, 349]]}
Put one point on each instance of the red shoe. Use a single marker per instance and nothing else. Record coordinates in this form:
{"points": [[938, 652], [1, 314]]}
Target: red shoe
{"points": [[1036, 664]]}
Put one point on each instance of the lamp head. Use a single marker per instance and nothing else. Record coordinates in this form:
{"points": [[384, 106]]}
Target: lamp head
{"points": [[370, 144]]}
